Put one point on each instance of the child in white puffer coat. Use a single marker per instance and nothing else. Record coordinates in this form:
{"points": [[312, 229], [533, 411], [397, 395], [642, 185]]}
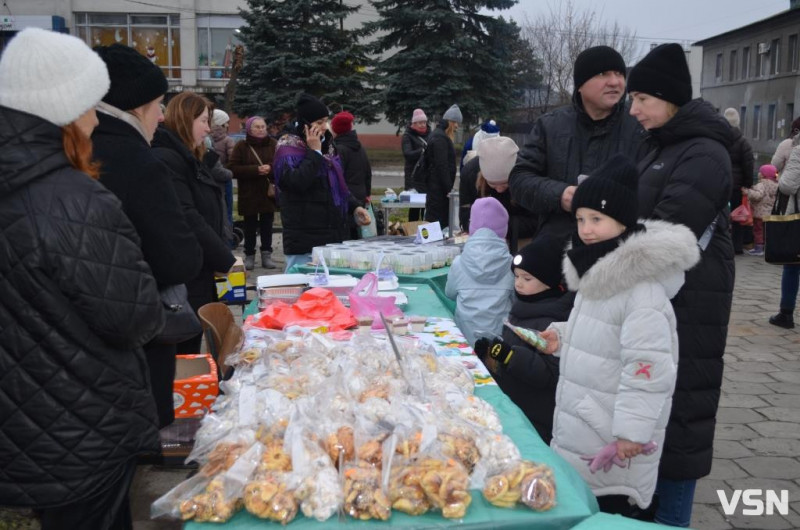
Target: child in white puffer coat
{"points": [[619, 348]]}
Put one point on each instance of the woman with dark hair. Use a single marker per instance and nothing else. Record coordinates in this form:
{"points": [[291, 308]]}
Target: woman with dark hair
{"points": [[180, 145], [312, 193], [440, 167], [129, 115], [686, 179], [77, 300]]}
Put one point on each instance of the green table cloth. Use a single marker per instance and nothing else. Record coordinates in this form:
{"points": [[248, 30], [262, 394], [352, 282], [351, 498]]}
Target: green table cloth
{"points": [[436, 278], [422, 300]]}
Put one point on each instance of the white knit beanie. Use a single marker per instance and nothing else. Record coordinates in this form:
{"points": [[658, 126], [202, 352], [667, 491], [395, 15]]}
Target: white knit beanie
{"points": [[219, 118], [496, 158], [51, 75]]}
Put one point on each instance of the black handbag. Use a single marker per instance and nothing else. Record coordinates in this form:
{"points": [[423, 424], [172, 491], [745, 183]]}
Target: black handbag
{"points": [[181, 322], [782, 233]]}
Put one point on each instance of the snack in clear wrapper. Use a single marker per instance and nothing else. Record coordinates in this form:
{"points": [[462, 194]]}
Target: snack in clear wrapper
{"points": [[211, 505], [479, 412], [363, 497], [527, 482], [269, 497], [320, 495], [447, 488], [340, 442], [460, 447]]}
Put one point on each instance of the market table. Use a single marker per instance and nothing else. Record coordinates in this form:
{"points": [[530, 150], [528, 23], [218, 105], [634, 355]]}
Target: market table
{"points": [[575, 501], [435, 278]]}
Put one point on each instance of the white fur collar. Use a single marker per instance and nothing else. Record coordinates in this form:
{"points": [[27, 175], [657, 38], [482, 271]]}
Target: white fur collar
{"points": [[656, 255]]}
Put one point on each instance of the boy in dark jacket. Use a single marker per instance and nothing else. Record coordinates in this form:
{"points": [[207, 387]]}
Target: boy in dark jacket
{"points": [[527, 376]]}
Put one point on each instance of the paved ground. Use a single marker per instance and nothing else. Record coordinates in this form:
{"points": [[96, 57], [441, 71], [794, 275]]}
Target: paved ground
{"points": [[758, 431]]}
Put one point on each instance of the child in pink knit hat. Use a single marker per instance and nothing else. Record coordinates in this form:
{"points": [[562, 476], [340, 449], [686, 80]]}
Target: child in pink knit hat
{"points": [[762, 197], [480, 279]]}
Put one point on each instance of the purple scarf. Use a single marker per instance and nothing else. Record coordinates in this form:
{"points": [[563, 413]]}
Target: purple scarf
{"points": [[292, 150]]}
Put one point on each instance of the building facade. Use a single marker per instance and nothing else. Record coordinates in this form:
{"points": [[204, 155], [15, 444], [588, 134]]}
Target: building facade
{"points": [[191, 40], [755, 69]]}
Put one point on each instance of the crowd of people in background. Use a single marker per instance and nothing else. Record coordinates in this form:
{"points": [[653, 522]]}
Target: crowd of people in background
{"points": [[608, 231]]}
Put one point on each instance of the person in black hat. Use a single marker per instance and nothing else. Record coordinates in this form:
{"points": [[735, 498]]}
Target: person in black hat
{"points": [[129, 115], [526, 375], [314, 200], [618, 349], [688, 181], [574, 140]]}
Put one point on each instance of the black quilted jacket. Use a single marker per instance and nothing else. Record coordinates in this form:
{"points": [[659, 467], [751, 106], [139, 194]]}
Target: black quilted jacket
{"points": [[77, 301], [562, 145]]}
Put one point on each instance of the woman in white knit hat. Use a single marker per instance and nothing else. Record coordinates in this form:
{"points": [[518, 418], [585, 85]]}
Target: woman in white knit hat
{"points": [[77, 299], [440, 167], [486, 175]]}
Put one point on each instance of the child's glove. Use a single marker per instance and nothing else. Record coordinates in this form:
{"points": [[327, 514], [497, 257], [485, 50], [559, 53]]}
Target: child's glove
{"points": [[607, 457], [501, 352], [481, 348]]}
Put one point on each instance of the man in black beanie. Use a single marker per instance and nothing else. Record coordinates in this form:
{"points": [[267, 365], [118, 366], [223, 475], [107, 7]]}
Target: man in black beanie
{"points": [[574, 140]]}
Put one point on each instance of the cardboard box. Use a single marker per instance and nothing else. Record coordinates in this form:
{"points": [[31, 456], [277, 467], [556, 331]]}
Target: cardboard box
{"points": [[196, 385], [233, 286]]}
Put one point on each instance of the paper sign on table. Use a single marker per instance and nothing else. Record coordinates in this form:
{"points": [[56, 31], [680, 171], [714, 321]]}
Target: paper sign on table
{"points": [[429, 232]]}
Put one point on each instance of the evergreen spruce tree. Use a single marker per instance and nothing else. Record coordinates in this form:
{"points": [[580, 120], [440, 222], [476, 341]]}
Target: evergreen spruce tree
{"points": [[296, 46], [440, 52]]}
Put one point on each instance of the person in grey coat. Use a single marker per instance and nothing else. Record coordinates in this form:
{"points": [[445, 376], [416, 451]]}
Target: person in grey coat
{"points": [[480, 279]]}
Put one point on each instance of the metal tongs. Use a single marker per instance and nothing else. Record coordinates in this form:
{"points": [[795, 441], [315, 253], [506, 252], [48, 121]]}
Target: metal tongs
{"points": [[394, 347]]}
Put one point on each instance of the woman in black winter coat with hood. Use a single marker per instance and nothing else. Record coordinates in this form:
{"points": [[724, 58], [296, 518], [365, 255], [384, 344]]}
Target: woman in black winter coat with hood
{"points": [[440, 167], [77, 300], [179, 144], [686, 179], [312, 193], [129, 115]]}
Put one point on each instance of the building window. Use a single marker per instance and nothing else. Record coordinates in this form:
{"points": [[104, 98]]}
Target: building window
{"points": [[216, 39], [791, 64], [745, 62], [761, 53], [732, 69], [787, 125], [774, 56], [771, 122], [157, 37], [718, 74], [743, 119], [756, 121]]}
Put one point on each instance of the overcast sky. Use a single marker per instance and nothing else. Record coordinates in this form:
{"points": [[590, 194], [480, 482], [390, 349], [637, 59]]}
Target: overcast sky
{"points": [[664, 20]]}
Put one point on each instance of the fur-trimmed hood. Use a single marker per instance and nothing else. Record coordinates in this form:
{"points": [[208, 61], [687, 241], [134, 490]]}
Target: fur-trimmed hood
{"points": [[661, 254]]}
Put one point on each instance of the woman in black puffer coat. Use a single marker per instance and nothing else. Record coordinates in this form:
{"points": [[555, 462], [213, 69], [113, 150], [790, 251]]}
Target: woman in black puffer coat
{"points": [[179, 144], [77, 300], [686, 179], [128, 118]]}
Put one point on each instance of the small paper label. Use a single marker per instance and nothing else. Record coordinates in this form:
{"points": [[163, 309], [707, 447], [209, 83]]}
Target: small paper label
{"points": [[430, 232]]}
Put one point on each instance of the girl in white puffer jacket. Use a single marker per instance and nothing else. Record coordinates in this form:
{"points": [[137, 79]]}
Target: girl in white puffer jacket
{"points": [[619, 349]]}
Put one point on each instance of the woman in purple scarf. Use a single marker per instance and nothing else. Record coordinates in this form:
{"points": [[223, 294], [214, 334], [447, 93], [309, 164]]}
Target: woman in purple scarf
{"points": [[313, 196]]}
